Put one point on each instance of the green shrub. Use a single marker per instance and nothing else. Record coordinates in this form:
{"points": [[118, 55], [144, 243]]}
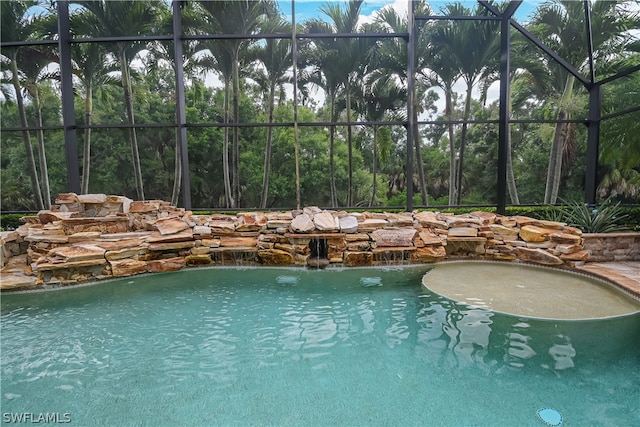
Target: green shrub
{"points": [[10, 221], [605, 217]]}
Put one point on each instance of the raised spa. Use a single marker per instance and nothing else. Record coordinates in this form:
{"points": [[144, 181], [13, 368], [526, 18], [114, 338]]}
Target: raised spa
{"points": [[529, 290]]}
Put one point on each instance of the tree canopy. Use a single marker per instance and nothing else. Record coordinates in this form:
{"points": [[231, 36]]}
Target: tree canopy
{"points": [[351, 124]]}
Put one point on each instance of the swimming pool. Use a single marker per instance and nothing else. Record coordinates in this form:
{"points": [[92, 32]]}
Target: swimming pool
{"points": [[356, 346]]}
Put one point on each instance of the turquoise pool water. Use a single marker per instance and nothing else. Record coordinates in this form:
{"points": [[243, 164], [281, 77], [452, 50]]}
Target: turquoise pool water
{"points": [[353, 347]]}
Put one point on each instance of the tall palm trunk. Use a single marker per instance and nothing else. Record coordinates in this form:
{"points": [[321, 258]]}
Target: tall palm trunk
{"points": [[135, 155], [42, 153], [452, 145], [332, 166], [374, 168], [26, 137], [230, 202], [349, 144], [86, 152], [418, 149], [177, 168], [554, 170], [463, 141], [511, 180], [235, 172], [267, 150]]}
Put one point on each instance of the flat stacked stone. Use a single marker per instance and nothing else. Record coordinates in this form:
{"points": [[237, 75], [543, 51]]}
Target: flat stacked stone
{"points": [[91, 237]]}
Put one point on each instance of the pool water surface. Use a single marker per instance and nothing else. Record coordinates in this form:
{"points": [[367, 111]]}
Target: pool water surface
{"points": [[357, 347]]}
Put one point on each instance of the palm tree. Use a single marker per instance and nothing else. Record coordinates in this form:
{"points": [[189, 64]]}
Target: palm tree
{"points": [[242, 18], [124, 18], [440, 73], [275, 57], [620, 146], [33, 63], [560, 24], [16, 26], [379, 98], [392, 55], [191, 22], [349, 55], [91, 66], [472, 47], [326, 74]]}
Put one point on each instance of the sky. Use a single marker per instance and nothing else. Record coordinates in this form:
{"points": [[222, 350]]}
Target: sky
{"points": [[306, 9]]}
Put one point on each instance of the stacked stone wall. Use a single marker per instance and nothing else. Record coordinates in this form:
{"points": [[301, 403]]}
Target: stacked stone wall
{"points": [[612, 247], [94, 237]]}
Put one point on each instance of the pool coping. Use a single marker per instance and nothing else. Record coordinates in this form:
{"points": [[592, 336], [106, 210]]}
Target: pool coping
{"points": [[607, 272]]}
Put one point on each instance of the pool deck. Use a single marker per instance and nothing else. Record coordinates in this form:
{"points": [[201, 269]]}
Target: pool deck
{"points": [[625, 273]]}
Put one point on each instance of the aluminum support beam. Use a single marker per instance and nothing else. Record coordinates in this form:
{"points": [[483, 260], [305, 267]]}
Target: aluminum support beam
{"points": [[504, 131], [296, 131], [181, 115], [411, 97], [557, 58], [593, 144], [587, 20], [66, 88]]}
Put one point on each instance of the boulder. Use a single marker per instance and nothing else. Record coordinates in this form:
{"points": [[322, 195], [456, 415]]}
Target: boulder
{"points": [[91, 198], [348, 224], [463, 232], [222, 226], [66, 198], [202, 230], [302, 224], [502, 232], [429, 254], [429, 238], [127, 267], [275, 257], [371, 224], [310, 210], [431, 220], [124, 253], [325, 221], [485, 218], [238, 242], [533, 233], [121, 203], [202, 259], [394, 238], [165, 265], [356, 237], [144, 206], [400, 220], [251, 222], [212, 243], [463, 221], [171, 246], [170, 226], [566, 238], [156, 237], [77, 252], [357, 259], [538, 256], [580, 256], [45, 217]]}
